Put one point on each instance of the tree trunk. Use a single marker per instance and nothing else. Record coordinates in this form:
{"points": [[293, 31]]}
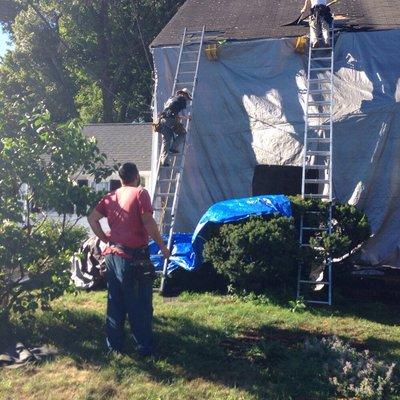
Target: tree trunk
{"points": [[105, 58]]}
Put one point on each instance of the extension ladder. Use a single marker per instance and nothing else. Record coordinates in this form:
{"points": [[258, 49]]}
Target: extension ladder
{"points": [[166, 192], [317, 164]]}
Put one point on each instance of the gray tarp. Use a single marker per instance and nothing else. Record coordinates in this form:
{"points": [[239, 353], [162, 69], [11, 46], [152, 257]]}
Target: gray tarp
{"points": [[249, 109]]}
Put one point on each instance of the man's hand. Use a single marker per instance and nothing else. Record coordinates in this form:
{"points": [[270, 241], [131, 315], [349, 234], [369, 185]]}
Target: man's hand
{"points": [[151, 227], [165, 252]]}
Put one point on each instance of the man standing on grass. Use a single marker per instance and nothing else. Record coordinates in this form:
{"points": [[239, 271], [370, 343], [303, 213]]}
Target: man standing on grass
{"points": [[129, 271]]}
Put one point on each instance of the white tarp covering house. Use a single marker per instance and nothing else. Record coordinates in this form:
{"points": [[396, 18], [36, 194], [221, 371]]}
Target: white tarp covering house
{"points": [[249, 108]]}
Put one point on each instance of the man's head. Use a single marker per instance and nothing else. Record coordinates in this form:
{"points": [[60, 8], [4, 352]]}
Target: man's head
{"points": [[185, 92], [129, 174]]}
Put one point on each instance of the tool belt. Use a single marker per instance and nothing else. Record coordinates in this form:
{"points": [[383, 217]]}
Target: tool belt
{"points": [[172, 122], [140, 261], [322, 11]]}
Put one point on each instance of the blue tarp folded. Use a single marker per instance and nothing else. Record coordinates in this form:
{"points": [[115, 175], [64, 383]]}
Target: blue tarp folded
{"points": [[188, 249]]}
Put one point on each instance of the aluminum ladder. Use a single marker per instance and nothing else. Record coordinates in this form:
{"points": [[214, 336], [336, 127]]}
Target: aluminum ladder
{"points": [[168, 181], [317, 166]]}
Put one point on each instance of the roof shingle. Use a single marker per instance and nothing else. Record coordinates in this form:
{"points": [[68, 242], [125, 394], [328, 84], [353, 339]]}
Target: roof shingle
{"points": [[123, 142], [257, 19]]}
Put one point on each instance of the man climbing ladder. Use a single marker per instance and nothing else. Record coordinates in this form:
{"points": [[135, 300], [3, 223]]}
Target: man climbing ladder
{"points": [[172, 160], [320, 21]]}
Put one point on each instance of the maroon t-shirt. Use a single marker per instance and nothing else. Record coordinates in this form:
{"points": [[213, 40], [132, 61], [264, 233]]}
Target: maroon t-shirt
{"points": [[124, 209]]}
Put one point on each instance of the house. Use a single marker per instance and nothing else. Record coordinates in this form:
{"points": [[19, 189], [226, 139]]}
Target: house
{"points": [[122, 143], [250, 100]]}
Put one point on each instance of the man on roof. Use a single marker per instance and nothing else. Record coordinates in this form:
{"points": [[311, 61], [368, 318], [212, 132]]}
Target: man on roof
{"points": [[170, 125], [320, 21]]}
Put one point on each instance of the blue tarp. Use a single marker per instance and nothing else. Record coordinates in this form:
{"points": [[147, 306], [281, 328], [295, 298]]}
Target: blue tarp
{"points": [[188, 248]]}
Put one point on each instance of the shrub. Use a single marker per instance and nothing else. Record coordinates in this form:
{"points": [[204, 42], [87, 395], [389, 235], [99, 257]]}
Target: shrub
{"points": [[351, 373], [261, 254], [35, 267], [255, 254]]}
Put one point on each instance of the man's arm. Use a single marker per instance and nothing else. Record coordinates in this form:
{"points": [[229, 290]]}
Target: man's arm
{"points": [[306, 3], [94, 222], [151, 227]]}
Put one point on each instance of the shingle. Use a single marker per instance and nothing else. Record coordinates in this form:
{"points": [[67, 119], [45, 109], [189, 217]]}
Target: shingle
{"points": [[123, 142], [256, 19]]}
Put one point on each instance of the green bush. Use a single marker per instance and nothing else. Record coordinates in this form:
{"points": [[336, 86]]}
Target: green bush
{"points": [[255, 254], [261, 254], [34, 268]]}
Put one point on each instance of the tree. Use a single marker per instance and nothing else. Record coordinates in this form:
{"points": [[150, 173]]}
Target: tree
{"points": [[38, 164], [86, 57]]}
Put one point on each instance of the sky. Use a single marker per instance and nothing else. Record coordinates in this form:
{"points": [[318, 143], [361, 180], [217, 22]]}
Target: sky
{"points": [[3, 44]]}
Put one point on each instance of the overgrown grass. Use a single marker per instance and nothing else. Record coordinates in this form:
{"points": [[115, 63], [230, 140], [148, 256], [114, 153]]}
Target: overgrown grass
{"points": [[208, 346]]}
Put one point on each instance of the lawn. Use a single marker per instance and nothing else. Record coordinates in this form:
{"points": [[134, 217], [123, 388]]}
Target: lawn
{"points": [[208, 347]]}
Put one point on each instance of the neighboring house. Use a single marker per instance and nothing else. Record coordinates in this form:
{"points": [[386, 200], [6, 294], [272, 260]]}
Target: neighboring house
{"points": [[122, 143], [249, 106]]}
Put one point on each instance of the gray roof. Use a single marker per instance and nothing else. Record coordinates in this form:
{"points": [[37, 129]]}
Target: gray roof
{"points": [[123, 142], [256, 19]]}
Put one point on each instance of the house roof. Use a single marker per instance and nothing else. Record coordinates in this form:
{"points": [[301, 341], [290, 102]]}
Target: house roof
{"points": [[123, 142], [257, 19]]}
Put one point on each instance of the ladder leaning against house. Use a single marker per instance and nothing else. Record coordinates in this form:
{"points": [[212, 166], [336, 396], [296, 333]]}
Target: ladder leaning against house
{"points": [[317, 167], [168, 181]]}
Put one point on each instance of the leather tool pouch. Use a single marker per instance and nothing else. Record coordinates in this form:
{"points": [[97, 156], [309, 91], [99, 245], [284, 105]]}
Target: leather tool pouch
{"points": [[142, 266]]}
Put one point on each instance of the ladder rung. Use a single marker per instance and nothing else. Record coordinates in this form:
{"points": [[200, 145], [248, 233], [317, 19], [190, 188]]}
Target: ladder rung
{"points": [[319, 102], [321, 69], [163, 209], [320, 91], [187, 72], [189, 62], [189, 52], [165, 194], [166, 180], [319, 140], [319, 167], [309, 181], [316, 282], [318, 302], [322, 80], [321, 58], [304, 228], [171, 167], [318, 153], [313, 247], [318, 127], [316, 196], [316, 115], [185, 83], [320, 48]]}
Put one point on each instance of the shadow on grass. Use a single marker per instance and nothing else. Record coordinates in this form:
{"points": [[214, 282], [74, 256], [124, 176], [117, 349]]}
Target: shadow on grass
{"points": [[268, 363]]}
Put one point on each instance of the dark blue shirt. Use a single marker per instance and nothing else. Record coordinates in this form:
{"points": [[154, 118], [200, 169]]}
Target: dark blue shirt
{"points": [[174, 106]]}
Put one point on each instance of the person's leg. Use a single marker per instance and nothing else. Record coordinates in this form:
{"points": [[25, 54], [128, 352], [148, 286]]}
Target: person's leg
{"points": [[166, 138], [180, 133], [138, 293], [325, 31], [313, 31], [115, 305]]}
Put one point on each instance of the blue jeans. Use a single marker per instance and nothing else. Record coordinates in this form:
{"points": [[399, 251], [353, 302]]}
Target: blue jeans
{"points": [[128, 295]]}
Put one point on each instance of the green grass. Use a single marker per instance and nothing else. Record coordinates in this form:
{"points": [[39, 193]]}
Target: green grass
{"points": [[208, 346]]}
